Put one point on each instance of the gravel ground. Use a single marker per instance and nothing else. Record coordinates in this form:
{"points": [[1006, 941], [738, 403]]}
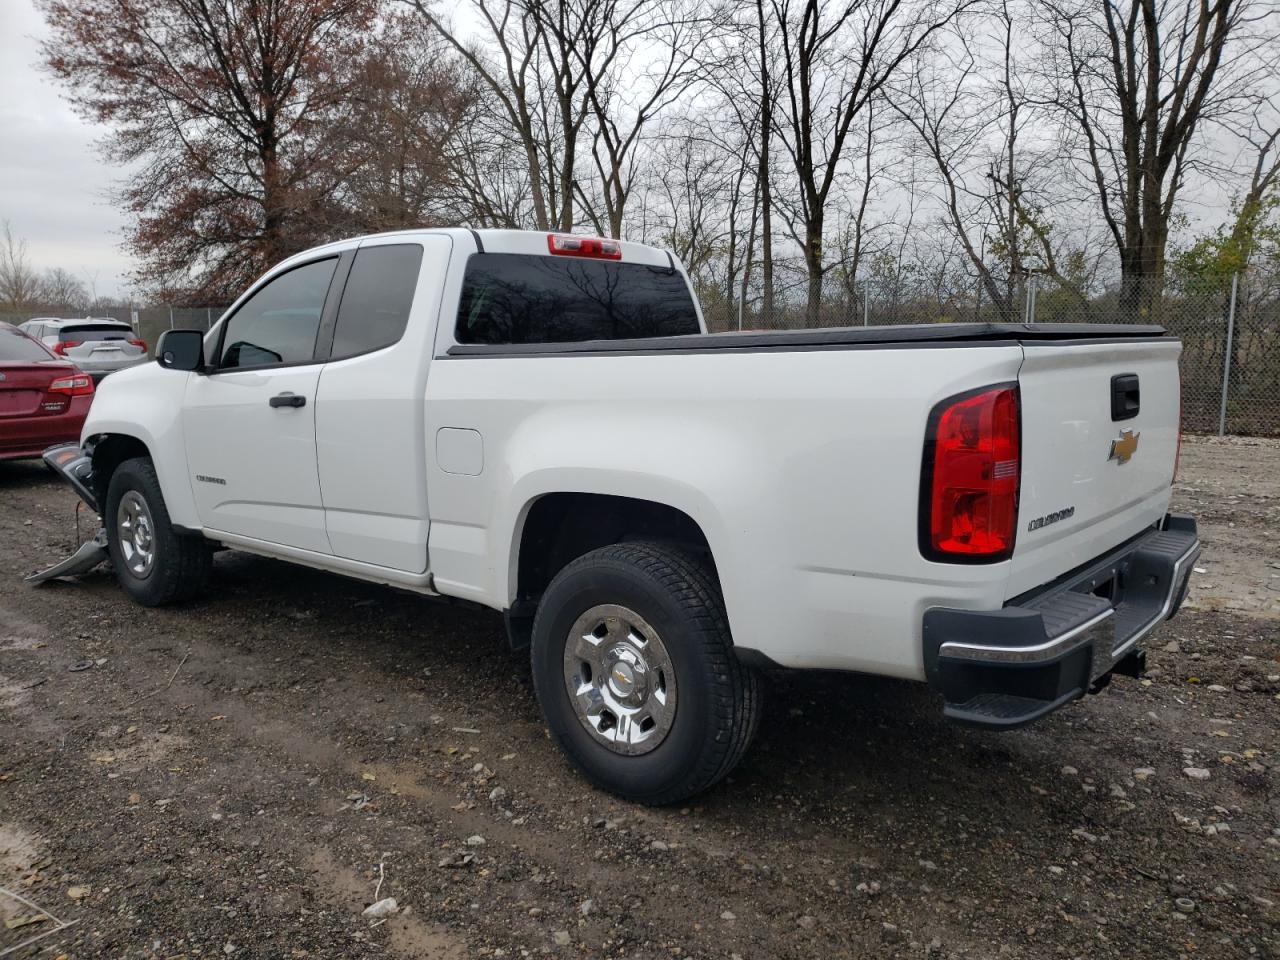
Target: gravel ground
{"points": [[242, 777]]}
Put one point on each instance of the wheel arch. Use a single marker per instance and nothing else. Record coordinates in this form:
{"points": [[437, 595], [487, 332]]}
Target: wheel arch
{"points": [[112, 444], [108, 451], [556, 527]]}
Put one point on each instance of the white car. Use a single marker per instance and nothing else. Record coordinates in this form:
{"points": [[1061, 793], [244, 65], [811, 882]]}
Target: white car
{"points": [[97, 345], [540, 424]]}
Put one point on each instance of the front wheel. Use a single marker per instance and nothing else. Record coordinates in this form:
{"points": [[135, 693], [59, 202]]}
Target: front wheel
{"points": [[153, 562], [635, 672]]}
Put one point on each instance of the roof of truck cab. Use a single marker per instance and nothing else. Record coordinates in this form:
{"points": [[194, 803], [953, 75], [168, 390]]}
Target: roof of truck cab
{"points": [[484, 240]]}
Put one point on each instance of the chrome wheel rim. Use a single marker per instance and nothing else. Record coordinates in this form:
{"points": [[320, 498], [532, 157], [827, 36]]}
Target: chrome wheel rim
{"points": [[136, 534], [620, 679]]}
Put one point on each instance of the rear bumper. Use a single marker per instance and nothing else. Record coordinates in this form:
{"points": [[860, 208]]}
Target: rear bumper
{"points": [[1005, 668]]}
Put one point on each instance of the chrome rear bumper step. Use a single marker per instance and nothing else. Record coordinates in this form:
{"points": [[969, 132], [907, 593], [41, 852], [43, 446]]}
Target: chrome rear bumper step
{"points": [[1005, 668]]}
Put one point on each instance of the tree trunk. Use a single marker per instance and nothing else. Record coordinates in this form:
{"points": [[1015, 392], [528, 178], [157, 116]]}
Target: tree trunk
{"points": [[273, 205], [751, 251], [1142, 275], [541, 216], [615, 216], [813, 265], [766, 201]]}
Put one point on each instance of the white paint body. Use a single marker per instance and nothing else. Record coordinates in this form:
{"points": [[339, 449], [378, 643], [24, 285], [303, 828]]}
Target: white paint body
{"points": [[802, 468]]}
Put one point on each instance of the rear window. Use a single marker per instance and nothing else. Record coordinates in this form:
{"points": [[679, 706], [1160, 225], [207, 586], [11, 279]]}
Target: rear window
{"points": [[376, 300], [95, 331], [17, 347], [523, 298]]}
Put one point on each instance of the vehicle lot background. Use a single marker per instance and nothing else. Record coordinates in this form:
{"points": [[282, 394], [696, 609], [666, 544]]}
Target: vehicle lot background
{"points": [[195, 782]]}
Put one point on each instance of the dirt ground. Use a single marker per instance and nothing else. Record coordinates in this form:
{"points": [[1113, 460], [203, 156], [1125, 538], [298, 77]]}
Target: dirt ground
{"points": [[243, 776]]}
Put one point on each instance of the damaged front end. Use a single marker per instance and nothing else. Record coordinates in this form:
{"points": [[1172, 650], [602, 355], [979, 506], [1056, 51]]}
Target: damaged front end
{"points": [[74, 464]]}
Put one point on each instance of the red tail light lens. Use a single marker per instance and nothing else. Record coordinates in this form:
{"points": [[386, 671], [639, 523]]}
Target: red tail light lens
{"points": [[79, 385], [564, 245], [972, 471], [62, 346], [139, 343]]}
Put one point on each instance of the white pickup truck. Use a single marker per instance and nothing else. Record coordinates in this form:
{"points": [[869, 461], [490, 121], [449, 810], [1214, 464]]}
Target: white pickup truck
{"points": [[540, 424]]}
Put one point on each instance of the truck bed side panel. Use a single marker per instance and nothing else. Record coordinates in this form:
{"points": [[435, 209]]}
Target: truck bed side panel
{"points": [[802, 469]]}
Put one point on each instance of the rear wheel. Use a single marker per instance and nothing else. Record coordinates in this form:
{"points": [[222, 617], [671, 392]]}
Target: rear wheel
{"points": [[636, 673], [153, 563]]}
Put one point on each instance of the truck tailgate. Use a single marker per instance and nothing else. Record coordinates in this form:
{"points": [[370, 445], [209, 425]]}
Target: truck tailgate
{"points": [[1092, 476]]}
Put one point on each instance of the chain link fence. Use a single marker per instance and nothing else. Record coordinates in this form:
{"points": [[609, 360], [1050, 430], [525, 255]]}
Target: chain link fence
{"points": [[1230, 330]]}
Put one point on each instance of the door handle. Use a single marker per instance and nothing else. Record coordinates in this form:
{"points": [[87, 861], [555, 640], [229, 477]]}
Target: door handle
{"points": [[287, 400]]}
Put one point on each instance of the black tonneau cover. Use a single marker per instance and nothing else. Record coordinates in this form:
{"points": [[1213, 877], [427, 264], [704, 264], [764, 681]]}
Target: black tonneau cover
{"points": [[831, 338]]}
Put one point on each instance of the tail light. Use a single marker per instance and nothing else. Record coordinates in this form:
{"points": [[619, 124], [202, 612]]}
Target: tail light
{"points": [[78, 385], [596, 247], [972, 471], [62, 346], [139, 343]]}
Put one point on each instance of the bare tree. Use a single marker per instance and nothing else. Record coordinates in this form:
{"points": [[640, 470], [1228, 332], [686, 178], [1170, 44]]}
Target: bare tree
{"points": [[971, 113], [765, 110], [835, 59], [533, 73], [854, 238], [488, 171], [19, 283], [62, 290], [1135, 84], [653, 52], [568, 71], [693, 185]]}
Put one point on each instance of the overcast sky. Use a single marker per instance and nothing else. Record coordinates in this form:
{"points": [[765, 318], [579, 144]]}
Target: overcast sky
{"points": [[53, 183]]}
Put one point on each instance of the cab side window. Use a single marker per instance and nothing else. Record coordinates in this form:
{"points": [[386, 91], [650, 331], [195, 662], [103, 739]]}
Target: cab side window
{"points": [[376, 299], [279, 323]]}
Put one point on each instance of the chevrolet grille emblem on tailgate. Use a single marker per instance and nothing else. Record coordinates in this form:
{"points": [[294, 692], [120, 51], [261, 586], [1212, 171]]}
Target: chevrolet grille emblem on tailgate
{"points": [[1124, 446]]}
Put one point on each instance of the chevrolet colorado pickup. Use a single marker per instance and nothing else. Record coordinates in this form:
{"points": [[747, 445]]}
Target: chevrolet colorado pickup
{"points": [[542, 425]]}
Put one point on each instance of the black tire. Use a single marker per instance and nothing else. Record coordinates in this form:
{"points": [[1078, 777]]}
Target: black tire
{"points": [[181, 564], [717, 710]]}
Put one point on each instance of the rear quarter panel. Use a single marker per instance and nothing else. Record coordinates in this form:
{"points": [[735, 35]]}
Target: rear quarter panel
{"points": [[801, 468]]}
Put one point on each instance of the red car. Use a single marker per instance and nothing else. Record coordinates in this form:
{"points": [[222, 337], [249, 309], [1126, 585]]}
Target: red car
{"points": [[43, 398]]}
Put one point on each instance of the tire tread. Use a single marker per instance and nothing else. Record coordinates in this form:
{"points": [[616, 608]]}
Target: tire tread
{"points": [[183, 563], [736, 698]]}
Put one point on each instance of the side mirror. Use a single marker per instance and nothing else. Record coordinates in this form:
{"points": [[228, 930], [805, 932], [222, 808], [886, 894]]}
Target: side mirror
{"points": [[181, 350]]}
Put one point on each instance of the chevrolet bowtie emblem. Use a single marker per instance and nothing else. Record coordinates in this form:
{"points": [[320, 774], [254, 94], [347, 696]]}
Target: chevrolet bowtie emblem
{"points": [[1124, 446]]}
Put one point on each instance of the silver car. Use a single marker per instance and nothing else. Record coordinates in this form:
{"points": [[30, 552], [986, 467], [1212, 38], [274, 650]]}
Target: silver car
{"points": [[98, 346]]}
